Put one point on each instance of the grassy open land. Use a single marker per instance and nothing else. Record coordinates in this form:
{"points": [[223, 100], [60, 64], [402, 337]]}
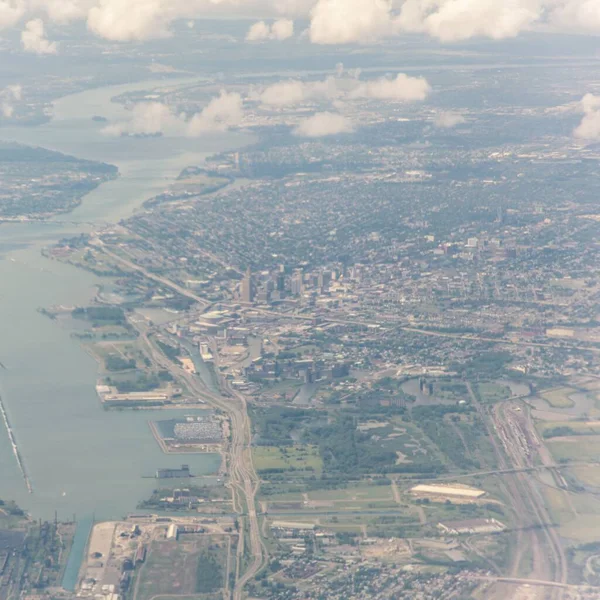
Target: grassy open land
{"points": [[490, 392], [406, 439], [552, 429], [576, 514], [355, 497], [558, 505], [95, 261], [559, 397], [587, 474], [360, 496], [575, 448], [302, 457], [193, 566], [584, 528]]}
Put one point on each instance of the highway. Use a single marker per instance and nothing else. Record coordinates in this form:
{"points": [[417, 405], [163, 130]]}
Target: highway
{"points": [[99, 244], [242, 476], [335, 319]]}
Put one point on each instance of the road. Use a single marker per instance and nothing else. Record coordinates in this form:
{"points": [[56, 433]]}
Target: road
{"points": [[96, 242], [242, 475], [455, 336], [99, 244], [540, 583]]}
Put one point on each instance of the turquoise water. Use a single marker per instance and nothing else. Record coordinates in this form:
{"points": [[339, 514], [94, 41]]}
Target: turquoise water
{"points": [[82, 459], [84, 528]]}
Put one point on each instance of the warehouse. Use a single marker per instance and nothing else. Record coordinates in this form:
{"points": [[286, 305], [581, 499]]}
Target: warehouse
{"points": [[456, 491], [471, 526]]}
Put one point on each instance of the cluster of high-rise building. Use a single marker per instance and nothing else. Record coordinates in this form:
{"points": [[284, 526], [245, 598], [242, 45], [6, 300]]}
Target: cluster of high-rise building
{"points": [[284, 283]]}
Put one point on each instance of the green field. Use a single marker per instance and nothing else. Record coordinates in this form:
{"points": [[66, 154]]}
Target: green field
{"points": [[559, 398], [406, 439], [587, 474], [568, 428], [301, 457], [493, 392], [575, 448]]}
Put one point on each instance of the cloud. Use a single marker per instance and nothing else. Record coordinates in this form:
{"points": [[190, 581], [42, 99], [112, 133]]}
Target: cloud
{"points": [[33, 38], [448, 120], [454, 20], [11, 12], [220, 114], [280, 30], [348, 21], [294, 92], [8, 96], [589, 128], [156, 118], [61, 11], [323, 124], [403, 87], [131, 20], [148, 118], [258, 32], [582, 15], [15, 90], [330, 21]]}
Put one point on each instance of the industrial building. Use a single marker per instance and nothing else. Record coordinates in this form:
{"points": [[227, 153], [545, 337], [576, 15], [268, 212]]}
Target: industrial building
{"points": [[457, 491], [184, 471], [471, 526]]}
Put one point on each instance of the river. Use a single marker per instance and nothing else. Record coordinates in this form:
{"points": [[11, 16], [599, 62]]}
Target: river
{"points": [[81, 459]]}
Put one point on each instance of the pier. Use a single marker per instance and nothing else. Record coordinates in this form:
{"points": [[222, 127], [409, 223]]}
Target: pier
{"points": [[15, 448]]}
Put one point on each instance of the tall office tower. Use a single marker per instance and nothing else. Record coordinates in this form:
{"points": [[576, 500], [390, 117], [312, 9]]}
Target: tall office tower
{"points": [[500, 214], [280, 282], [297, 286], [247, 287], [320, 281]]}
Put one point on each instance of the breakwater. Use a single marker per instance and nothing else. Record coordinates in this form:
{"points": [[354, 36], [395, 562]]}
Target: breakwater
{"points": [[15, 448]]}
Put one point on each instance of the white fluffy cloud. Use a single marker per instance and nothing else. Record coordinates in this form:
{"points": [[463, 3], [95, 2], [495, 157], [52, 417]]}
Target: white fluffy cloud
{"points": [[11, 12], [294, 92], [331, 21], [448, 120], [582, 15], [347, 21], [220, 114], [403, 87], [153, 118], [131, 20], [148, 118], [323, 124], [280, 30], [453, 20], [33, 38], [589, 128], [8, 96]]}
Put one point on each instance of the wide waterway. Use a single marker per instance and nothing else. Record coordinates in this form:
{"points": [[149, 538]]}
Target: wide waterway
{"points": [[81, 459]]}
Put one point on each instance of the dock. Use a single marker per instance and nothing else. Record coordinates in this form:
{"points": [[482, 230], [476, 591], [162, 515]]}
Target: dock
{"points": [[15, 448]]}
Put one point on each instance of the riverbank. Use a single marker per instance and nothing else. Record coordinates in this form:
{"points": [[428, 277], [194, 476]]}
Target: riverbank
{"points": [[78, 454]]}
